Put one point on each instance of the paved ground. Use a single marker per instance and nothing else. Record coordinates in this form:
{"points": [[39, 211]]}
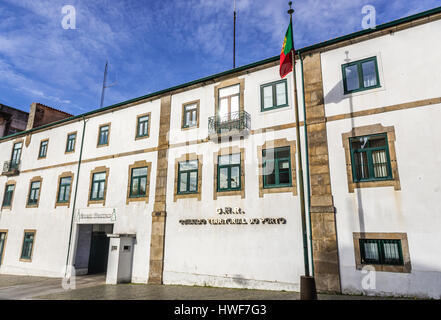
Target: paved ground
{"points": [[26, 287], [94, 288]]}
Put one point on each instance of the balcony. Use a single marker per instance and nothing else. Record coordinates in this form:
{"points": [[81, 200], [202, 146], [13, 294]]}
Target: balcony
{"points": [[229, 125], [11, 168]]}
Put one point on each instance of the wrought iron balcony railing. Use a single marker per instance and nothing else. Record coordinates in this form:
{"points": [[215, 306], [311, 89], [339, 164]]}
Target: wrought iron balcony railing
{"points": [[11, 168], [231, 124]]}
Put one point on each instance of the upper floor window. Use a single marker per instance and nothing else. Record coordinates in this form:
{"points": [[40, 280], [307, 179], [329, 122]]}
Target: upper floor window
{"points": [[277, 167], [98, 186], [70, 144], [188, 177], [228, 172], [142, 129], [229, 102], [274, 95], [190, 114], [43, 149], [28, 245], [360, 75], [381, 251], [138, 182], [103, 135], [370, 158], [34, 193], [64, 190], [16, 153], [7, 198]]}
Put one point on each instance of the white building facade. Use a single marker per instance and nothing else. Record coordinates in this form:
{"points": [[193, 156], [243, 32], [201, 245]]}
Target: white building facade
{"points": [[198, 184]]}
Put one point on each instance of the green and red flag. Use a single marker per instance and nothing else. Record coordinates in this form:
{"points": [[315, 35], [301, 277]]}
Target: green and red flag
{"points": [[286, 54]]}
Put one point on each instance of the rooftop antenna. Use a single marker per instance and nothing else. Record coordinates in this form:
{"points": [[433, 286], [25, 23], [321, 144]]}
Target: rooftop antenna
{"points": [[234, 37], [105, 85]]}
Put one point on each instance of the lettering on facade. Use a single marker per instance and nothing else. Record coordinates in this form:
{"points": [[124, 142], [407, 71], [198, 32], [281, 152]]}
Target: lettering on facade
{"points": [[82, 216], [231, 221]]}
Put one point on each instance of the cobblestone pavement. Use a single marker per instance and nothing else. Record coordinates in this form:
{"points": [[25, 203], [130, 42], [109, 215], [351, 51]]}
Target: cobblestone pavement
{"points": [[94, 288]]}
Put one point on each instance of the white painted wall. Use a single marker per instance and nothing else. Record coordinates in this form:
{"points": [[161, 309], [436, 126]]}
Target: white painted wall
{"points": [[409, 71], [239, 256], [53, 224]]}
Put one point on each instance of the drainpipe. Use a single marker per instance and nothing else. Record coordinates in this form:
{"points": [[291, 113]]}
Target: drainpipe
{"points": [[307, 163], [75, 196]]}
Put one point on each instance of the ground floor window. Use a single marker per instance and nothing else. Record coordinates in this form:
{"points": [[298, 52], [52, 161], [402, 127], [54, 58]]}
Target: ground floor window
{"points": [[381, 251], [28, 245], [386, 252]]}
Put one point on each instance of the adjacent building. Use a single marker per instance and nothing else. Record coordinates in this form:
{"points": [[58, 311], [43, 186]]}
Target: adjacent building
{"points": [[198, 184]]}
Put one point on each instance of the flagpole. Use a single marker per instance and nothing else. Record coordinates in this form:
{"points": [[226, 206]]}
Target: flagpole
{"points": [[307, 283], [234, 37]]}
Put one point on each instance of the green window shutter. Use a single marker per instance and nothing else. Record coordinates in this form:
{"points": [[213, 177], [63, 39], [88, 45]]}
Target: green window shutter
{"points": [[43, 149], [188, 177], [381, 251], [7, 198], [28, 243], [70, 145], [361, 75], [370, 158], [190, 115], [274, 95], [98, 186], [277, 167], [143, 127], [64, 190], [229, 172], [34, 192], [104, 135], [138, 182]]}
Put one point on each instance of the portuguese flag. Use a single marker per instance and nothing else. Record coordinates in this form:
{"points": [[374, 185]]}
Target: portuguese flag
{"points": [[286, 54]]}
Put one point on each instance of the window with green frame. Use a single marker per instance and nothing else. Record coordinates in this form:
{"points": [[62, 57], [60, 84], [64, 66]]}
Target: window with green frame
{"points": [[7, 198], [64, 190], [103, 135], [381, 251], [370, 158], [43, 149], [138, 182], [360, 75], [190, 116], [188, 177], [143, 127], [70, 144], [228, 172], [28, 243], [274, 95], [34, 193], [276, 167], [98, 186]]}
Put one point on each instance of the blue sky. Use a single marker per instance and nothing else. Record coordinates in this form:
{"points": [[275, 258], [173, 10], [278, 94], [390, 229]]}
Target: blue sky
{"points": [[153, 45]]}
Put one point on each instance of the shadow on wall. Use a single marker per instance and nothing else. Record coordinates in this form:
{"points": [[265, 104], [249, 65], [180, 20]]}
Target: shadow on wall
{"points": [[336, 95]]}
